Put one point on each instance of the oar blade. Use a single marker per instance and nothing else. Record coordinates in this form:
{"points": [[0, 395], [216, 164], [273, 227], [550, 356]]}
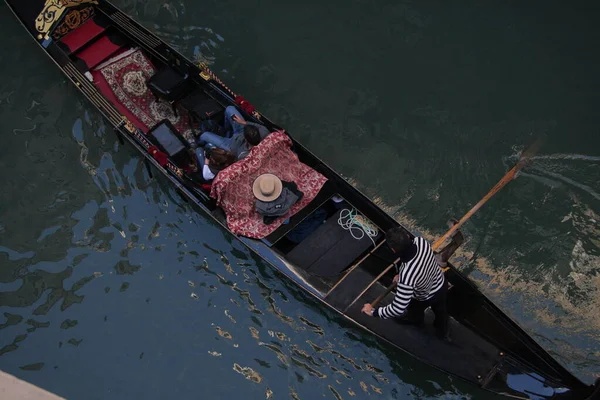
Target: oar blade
{"points": [[531, 151]]}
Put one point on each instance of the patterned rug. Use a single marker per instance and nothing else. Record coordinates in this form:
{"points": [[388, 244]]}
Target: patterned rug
{"points": [[127, 78], [232, 187]]}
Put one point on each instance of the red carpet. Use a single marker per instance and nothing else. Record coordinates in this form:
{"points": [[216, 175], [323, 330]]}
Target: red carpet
{"points": [[126, 80], [98, 51], [80, 36], [104, 87]]}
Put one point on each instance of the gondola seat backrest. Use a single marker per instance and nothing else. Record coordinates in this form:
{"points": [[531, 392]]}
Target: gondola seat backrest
{"points": [[166, 137], [170, 83]]}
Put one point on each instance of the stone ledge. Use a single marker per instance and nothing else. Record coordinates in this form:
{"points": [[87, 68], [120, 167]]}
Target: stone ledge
{"points": [[15, 389]]}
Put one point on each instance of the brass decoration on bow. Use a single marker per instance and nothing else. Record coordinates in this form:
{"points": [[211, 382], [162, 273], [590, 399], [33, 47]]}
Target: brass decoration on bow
{"points": [[129, 125], [72, 21], [205, 74], [53, 10]]}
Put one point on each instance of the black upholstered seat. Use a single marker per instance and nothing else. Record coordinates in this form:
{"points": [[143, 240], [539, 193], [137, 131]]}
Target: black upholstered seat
{"points": [[169, 84], [166, 137], [200, 106]]}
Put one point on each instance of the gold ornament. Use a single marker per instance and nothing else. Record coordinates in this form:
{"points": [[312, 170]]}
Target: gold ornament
{"points": [[53, 10]]}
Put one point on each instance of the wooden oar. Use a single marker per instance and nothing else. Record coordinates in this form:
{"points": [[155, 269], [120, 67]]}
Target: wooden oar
{"points": [[510, 175]]}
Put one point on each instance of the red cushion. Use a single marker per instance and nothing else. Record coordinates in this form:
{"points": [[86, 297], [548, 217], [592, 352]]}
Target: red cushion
{"points": [[98, 51], [80, 36]]}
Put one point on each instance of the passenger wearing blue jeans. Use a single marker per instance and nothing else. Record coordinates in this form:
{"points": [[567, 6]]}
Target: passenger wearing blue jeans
{"points": [[234, 122], [234, 125]]}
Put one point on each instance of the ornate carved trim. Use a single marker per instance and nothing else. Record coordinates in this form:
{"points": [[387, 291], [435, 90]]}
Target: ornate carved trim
{"points": [[53, 10], [73, 20], [207, 74], [129, 125], [204, 74]]}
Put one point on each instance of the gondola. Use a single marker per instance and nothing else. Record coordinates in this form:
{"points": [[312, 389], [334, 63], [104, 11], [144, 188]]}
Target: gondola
{"points": [[157, 101]]}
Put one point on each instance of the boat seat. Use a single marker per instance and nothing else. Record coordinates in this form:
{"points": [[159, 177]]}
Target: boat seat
{"points": [[169, 84], [200, 106], [166, 137], [77, 38], [98, 50], [329, 249]]}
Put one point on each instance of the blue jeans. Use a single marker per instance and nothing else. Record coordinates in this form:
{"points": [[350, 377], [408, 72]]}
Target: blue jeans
{"points": [[209, 138], [232, 127]]}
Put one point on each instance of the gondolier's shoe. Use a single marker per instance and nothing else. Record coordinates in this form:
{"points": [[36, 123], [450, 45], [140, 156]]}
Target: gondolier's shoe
{"points": [[445, 338]]}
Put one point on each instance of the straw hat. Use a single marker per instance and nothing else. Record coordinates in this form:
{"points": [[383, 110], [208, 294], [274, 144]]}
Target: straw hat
{"points": [[267, 187]]}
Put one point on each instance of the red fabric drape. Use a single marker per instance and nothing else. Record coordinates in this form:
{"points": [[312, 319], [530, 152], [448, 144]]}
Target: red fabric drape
{"points": [[232, 187]]}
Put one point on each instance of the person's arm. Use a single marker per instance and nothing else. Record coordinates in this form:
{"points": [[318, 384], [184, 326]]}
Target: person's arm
{"points": [[403, 296], [207, 174], [264, 132]]}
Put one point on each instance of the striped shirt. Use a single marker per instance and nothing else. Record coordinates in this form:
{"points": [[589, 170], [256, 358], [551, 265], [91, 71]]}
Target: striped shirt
{"points": [[419, 278]]}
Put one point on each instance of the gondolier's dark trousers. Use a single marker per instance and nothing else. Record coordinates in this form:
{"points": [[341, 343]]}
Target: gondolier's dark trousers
{"points": [[415, 314]]}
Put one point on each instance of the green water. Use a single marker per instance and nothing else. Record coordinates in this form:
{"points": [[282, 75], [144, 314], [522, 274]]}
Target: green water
{"points": [[111, 287]]}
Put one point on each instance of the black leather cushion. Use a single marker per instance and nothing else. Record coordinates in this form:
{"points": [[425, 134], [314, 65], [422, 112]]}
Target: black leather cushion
{"points": [[166, 137], [201, 105], [168, 83]]}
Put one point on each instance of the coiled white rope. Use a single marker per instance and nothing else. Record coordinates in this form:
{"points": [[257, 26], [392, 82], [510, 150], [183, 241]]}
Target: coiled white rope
{"points": [[357, 225]]}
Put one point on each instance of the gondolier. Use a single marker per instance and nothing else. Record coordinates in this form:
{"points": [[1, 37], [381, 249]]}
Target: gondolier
{"points": [[420, 284]]}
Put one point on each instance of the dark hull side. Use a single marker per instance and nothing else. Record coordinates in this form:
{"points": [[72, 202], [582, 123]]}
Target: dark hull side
{"points": [[519, 354]]}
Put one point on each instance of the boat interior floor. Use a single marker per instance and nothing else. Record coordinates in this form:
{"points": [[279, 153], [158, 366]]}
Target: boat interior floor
{"points": [[467, 355]]}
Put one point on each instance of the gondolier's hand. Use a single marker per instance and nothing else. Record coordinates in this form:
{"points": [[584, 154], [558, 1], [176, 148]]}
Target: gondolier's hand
{"points": [[367, 309], [396, 278]]}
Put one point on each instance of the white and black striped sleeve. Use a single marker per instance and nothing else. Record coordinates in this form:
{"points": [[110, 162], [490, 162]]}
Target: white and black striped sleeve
{"points": [[403, 295]]}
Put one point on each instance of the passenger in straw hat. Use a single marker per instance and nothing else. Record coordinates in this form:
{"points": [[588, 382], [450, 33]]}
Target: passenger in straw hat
{"points": [[274, 197]]}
